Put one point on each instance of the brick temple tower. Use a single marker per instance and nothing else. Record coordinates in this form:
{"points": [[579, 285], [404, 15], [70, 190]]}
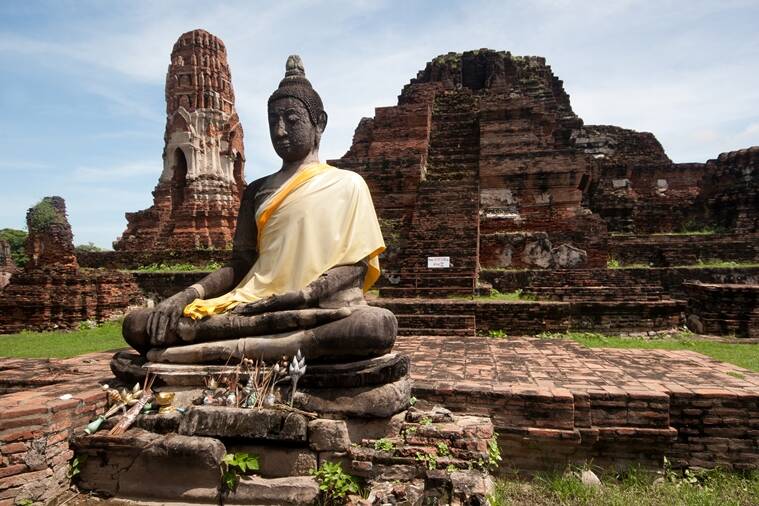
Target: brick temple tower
{"points": [[196, 200]]}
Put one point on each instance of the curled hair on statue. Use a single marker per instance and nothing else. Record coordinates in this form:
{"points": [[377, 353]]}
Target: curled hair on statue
{"points": [[295, 85]]}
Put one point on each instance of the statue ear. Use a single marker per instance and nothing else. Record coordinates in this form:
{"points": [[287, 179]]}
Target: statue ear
{"points": [[322, 122]]}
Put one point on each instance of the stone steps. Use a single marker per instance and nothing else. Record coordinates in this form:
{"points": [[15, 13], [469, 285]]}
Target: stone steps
{"points": [[436, 325]]}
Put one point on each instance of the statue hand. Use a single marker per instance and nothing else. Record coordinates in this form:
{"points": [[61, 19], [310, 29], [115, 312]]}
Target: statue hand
{"points": [[162, 321], [283, 302]]}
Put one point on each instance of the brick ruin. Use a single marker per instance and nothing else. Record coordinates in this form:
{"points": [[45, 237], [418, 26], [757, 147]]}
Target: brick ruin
{"points": [[52, 292], [484, 161], [7, 266], [198, 194]]}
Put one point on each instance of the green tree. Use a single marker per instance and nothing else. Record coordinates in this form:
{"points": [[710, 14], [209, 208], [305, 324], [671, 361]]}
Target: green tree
{"points": [[87, 248], [16, 239]]}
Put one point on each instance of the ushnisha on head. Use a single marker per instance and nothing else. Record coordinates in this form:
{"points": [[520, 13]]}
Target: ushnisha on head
{"points": [[296, 114]]}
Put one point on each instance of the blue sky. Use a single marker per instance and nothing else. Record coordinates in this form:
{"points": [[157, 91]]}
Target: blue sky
{"points": [[82, 87]]}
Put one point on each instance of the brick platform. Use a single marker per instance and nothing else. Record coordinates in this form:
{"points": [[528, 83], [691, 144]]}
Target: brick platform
{"points": [[552, 401], [555, 401]]}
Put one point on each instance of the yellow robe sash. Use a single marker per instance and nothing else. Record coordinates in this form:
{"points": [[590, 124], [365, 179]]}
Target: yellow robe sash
{"points": [[320, 218]]}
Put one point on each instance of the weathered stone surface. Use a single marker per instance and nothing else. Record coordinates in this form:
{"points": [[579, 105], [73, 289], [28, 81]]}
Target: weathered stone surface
{"points": [[142, 464], [374, 428], [267, 424], [159, 423], [380, 401], [328, 435], [278, 461], [297, 490], [472, 487], [375, 371], [198, 194]]}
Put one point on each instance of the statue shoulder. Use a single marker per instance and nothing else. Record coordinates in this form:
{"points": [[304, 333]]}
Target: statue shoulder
{"points": [[254, 187], [350, 177]]}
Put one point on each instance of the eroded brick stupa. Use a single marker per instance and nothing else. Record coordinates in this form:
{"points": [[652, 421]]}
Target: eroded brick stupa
{"points": [[484, 162], [196, 200]]}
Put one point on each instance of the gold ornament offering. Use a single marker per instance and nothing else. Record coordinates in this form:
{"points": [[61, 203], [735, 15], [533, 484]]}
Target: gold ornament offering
{"points": [[165, 402]]}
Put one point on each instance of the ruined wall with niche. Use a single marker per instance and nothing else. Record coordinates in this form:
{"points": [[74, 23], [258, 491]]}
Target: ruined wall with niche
{"points": [[7, 266], [198, 194], [52, 292]]}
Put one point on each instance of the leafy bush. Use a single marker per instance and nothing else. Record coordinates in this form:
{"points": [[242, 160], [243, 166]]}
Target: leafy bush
{"points": [[335, 483], [88, 248], [16, 239]]}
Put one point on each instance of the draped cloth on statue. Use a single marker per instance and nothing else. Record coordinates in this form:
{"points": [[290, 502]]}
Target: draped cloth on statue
{"points": [[320, 218]]}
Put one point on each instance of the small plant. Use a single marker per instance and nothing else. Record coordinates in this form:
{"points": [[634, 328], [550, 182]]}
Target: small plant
{"points": [[442, 449], [429, 460], [24, 502], [450, 468], [42, 215], [425, 420], [613, 263], [236, 464], [75, 466], [494, 452], [736, 374], [412, 400], [497, 333], [335, 483], [384, 445]]}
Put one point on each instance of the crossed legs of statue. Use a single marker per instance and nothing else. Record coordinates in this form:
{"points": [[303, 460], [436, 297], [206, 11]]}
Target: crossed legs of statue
{"points": [[328, 321]]}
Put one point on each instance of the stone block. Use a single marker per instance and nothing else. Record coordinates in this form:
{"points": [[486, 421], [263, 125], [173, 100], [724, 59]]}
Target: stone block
{"points": [[266, 424], [294, 490], [328, 435], [141, 464], [381, 401]]}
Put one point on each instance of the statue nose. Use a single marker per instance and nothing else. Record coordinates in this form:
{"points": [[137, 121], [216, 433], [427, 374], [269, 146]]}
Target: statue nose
{"points": [[280, 130]]}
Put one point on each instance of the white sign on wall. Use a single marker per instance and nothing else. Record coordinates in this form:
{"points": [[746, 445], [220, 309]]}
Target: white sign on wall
{"points": [[438, 262]]}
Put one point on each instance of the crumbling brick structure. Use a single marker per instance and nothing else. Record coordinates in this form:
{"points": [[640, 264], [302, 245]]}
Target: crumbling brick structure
{"points": [[477, 163], [484, 161], [52, 291], [7, 266], [196, 200]]}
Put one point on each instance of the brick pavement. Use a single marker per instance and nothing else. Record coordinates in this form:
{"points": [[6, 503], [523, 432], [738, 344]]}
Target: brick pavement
{"points": [[552, 401]]}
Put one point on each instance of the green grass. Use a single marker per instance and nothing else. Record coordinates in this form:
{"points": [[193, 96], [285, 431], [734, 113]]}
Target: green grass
{"points": [[744, 355], [516, 295], [716, 488], [179, 267], [62, 344]]}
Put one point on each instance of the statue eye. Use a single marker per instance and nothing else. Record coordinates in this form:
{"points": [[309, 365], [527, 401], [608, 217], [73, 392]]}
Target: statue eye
{"points": [[293, 118]]}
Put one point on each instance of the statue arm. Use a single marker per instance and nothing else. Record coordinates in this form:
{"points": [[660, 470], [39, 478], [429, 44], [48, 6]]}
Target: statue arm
{"points": [[163, 320], [244, 250], [321, 290]]}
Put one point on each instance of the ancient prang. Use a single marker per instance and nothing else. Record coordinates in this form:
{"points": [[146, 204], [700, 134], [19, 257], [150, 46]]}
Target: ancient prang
{"points": [[483, 161], [52, 292], [196, 200]]}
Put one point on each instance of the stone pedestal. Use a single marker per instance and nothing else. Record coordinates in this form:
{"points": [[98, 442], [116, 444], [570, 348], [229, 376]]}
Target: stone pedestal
{"points": [[357, 414]]}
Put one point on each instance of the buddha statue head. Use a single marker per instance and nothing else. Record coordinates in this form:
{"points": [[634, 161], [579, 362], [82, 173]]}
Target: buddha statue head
{"points": [[296, 114]]}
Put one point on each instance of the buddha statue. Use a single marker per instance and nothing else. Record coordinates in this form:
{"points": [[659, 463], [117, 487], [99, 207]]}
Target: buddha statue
{"points": [[304, 252]]}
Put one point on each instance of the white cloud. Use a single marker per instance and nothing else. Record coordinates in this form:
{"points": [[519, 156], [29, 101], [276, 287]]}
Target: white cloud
{"points": [[118, 172]]}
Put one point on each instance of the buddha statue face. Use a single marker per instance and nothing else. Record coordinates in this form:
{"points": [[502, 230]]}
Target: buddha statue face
{"points": [[293, 134]]}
